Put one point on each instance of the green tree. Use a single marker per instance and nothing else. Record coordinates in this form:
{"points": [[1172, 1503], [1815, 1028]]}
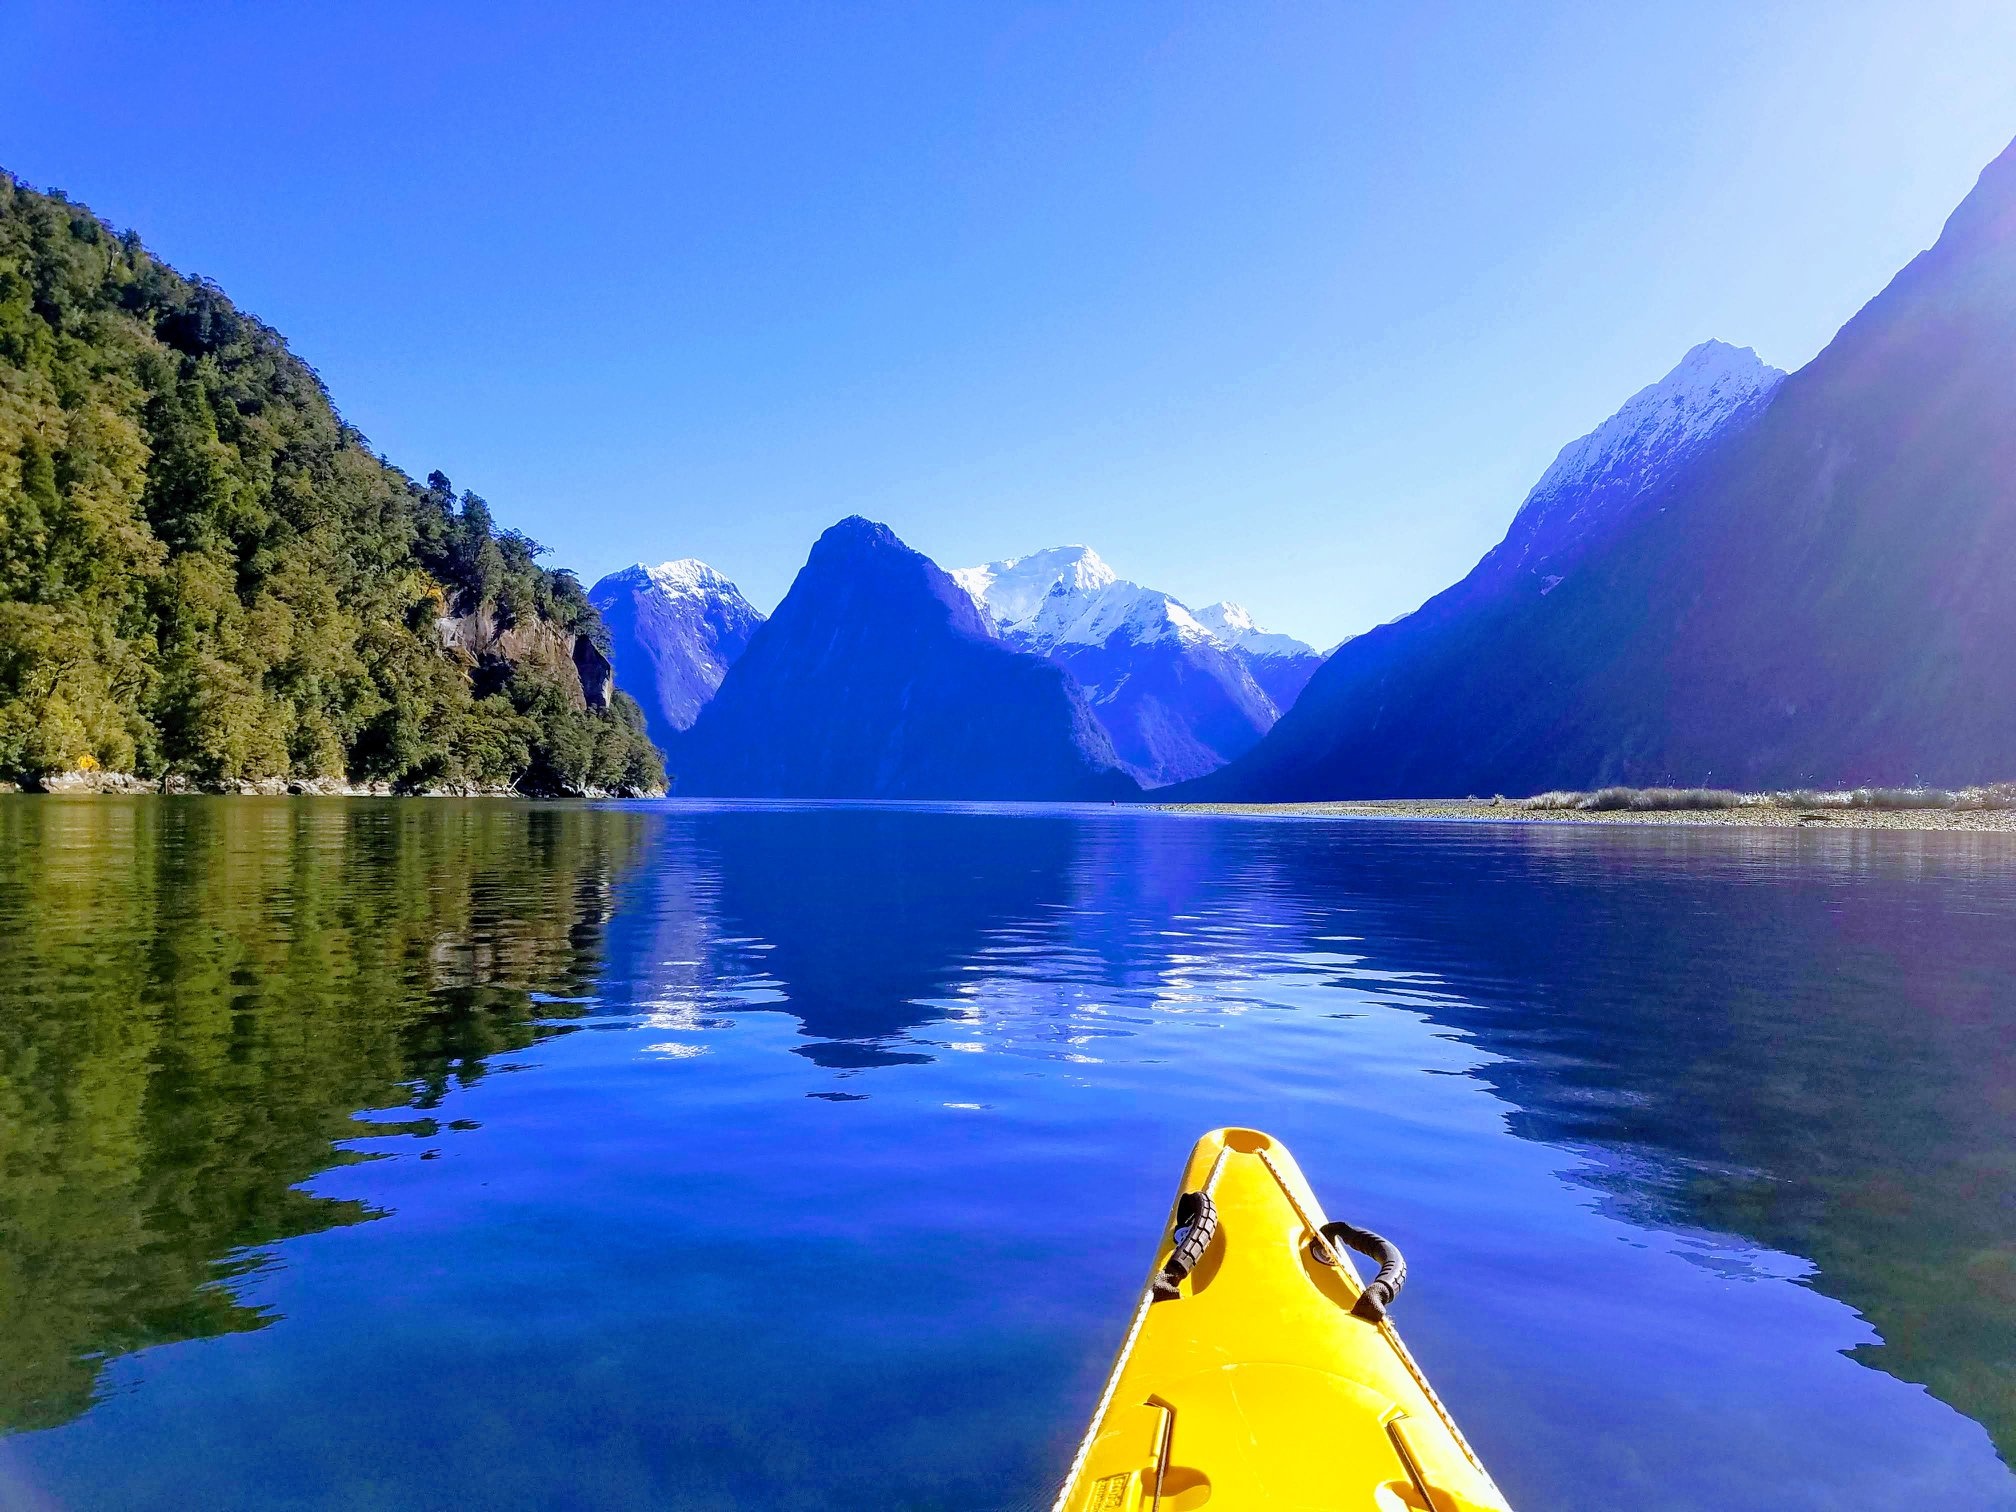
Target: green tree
{"points": [[205, 572]]}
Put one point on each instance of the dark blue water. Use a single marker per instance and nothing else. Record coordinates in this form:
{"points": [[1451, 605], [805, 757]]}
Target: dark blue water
{"points": [[765, 1157]]}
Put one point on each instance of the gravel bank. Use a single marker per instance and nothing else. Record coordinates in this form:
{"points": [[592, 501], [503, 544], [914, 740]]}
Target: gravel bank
{"points": [[1755, 815]]}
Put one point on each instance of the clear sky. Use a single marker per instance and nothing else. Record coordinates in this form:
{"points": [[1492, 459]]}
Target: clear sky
{"points": [[1288, 304]]}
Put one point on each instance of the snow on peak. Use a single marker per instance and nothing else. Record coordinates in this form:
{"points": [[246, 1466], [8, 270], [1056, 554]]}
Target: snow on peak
{"points": [[1012, 591], [1227, 619], [1231, 626], [685, 578], [1638, 447], [1067, 596], [1710, 384]]}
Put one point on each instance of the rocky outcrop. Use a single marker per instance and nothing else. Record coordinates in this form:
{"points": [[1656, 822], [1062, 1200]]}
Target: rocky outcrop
{"points": [[489, 649], [91, 781]]}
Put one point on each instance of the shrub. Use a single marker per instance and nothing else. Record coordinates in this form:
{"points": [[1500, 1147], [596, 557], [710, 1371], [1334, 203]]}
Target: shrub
{"points": [[1996, 795], [1660, 799]]}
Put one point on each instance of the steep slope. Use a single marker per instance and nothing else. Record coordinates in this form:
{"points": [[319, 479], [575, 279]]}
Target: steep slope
{"points": [[1596, 482], [206, 577], [1177, 699], [1280, 664], [674, 631], [1818, 593], [878, 677]]}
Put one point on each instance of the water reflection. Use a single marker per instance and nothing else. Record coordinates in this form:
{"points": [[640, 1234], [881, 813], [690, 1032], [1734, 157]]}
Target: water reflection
{"points": [[196, 996], [859, 921], [1779, 1054], [1802, 1039]]}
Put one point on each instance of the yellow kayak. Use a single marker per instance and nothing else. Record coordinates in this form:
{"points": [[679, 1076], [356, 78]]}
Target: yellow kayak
{"points": [[1260, 1372]]}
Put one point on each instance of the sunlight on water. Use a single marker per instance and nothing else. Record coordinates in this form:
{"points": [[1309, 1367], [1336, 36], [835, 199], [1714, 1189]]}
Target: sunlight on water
{"points": [[411, 1154]]}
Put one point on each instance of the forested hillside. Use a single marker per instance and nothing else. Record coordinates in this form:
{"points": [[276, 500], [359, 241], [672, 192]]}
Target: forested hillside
{"points": [[206, 574]]}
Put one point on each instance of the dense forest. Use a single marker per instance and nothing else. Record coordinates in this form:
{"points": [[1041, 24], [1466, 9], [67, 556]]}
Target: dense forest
{"points": [[206, 575]]}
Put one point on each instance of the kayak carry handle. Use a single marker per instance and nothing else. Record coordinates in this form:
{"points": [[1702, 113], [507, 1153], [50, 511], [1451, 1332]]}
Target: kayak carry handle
{"points": [[1382, 1290], [1196, 1224]]}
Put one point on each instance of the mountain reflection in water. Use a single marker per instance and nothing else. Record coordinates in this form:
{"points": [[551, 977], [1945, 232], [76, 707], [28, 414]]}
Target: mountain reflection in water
{"points": [[852, 1191]]}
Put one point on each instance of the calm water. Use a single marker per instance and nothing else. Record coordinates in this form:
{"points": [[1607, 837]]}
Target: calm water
{"points": [[426, 1155]]}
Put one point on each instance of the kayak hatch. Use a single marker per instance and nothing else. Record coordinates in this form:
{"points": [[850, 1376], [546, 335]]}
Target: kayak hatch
{"points": [[1260, 1372]]}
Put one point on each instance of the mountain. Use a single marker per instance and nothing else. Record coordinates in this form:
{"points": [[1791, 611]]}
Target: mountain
{"points": [[674, 631], [1597, 482], [1280, 664], [1813, 589], [208, 578], [878, 677], [1177, 697]]}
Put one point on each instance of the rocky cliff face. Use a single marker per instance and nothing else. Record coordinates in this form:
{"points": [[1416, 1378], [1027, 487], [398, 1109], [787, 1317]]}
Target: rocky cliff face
{"points": [[878, 677], [1817, 592], [488, 650]]}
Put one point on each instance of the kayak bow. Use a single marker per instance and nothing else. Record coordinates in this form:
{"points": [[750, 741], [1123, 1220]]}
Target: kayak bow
{"points": [[1259, 1371]]}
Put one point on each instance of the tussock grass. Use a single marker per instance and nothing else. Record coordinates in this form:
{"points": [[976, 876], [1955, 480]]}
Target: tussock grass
{"points": [[1901, 798], [1655, 800], [1642, 800], [1994, 795]]}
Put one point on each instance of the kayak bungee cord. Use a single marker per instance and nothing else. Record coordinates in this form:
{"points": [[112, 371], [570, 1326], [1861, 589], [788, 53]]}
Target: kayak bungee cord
{"points": [[1259, 1373]]}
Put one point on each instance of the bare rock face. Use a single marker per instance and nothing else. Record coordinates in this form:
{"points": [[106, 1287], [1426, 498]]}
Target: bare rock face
{"points": [[489, 650], [94, 781], [598, 677]]}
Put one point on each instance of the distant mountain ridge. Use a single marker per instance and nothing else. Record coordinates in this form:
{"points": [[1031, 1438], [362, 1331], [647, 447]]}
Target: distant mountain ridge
{"points": [[1178, 697], [674, 631], [1808, 584], [879, 677]]}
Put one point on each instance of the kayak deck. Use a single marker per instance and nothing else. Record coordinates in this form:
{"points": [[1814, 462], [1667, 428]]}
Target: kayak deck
{"points": [[1248, 1382]]}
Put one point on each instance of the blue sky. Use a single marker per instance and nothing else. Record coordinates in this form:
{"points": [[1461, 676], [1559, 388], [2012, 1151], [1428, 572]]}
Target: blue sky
{"points": [[1289, 304]]}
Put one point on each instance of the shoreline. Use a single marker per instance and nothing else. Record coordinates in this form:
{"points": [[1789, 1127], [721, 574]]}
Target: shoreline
{"points": [[125, 785], [1760, 815]]}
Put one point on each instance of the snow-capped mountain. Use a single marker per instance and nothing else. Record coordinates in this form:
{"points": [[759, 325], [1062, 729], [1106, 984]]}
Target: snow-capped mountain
{"points": [[1602, 490], [1741, 579], [1230, 625], [1597, 479], [1013, 592], [1067, 596], [674, 631], [1179, 696], [878, 677], [1281, 664]]}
